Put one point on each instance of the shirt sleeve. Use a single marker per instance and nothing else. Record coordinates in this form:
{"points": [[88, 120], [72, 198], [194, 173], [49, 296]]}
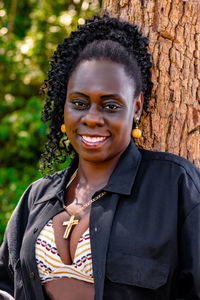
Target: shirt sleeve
{"points": [[10, 248], [188, 286], [6, 275]]}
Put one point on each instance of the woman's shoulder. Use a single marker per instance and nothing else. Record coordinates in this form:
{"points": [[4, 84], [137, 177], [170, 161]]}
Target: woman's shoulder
{"points": [[148, 155], [166, 159], [56, 181], [46, 187], [48, 179]]}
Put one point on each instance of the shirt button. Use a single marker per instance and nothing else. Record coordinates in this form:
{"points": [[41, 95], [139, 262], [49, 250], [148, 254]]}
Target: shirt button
{"points": [[32, 275], [95, 229], [35, 230]]}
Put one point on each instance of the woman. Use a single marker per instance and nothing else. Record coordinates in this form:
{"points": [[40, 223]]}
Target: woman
{"points": [[119, 222]]}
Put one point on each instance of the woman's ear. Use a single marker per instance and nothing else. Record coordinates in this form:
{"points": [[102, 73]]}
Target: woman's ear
{"points": [[138, 106]]}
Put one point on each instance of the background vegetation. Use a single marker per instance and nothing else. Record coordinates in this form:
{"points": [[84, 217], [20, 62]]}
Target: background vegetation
{"points": [[29, 32]]}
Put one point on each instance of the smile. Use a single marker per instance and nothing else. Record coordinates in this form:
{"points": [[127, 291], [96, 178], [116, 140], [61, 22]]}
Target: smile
{"points": [[93, 141]]}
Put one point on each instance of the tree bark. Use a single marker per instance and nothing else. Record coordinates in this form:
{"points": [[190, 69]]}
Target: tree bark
{"points": [[173, 29]]}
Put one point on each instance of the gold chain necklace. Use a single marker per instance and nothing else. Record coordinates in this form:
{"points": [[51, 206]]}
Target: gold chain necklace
{"points": [[72, 221]]}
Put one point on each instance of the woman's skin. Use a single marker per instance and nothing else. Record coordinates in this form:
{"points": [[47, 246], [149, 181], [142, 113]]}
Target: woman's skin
{"points": [[99, 112]]}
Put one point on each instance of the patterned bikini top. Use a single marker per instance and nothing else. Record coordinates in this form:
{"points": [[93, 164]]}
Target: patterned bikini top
{"points": [[49, 263]]}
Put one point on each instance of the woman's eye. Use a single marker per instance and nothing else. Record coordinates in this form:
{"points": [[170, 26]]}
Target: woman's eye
{"points": [[111, 107], [79, 104]]}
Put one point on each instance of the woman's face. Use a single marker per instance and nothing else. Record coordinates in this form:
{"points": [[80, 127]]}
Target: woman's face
{"points": [[99, 110]]}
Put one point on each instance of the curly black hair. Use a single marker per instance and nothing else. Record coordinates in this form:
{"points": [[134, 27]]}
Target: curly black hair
{"points": [[101, 37]]}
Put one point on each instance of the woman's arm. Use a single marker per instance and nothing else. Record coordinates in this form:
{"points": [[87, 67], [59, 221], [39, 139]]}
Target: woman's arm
{"points": [[189, 276], [6, 275], [188, 286], [10, 248]]}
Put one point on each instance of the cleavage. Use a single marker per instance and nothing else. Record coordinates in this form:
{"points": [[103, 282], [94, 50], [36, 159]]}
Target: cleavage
{"points": [[67, 247]]}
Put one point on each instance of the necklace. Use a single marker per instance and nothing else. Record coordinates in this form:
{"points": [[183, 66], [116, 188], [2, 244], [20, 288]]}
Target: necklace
{"points": [[72, 221]]}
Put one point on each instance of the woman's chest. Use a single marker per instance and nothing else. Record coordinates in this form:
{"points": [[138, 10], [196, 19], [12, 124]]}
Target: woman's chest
{"points": [[75, 227], [145, 229], [142, 248]]}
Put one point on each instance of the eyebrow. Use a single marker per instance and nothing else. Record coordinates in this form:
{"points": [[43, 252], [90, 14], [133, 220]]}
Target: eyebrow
{"points": [[78, 93], [102, 97], [111, 95]]}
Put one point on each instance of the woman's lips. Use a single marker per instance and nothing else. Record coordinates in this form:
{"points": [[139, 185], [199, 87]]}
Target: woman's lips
{"points": [[93, 141]]}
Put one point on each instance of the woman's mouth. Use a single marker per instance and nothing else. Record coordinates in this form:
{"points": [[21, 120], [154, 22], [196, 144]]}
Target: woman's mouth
{"points": [[93, 141]]}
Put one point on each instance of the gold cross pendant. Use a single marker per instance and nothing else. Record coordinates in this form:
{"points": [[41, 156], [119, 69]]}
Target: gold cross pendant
{"points": [[69, 225]]}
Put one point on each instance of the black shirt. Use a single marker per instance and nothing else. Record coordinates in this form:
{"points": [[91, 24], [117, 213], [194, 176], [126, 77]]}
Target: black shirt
{"points": [[145, 232]]}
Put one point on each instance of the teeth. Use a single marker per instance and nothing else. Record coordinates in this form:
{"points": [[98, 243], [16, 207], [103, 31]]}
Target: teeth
{"points": [[93, 139]]}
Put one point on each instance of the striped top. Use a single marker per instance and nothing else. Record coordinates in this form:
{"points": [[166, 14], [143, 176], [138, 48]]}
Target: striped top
{"points": [[49, 263]]}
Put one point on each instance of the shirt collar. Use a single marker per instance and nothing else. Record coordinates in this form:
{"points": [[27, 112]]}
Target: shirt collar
{"points": [[121, 180], [54, 185]]}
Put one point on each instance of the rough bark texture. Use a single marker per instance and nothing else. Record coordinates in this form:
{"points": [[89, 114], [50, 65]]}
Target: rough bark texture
{"points": [[173, 28]]}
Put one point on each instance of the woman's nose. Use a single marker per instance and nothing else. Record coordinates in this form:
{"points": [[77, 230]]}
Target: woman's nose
{"points": [[92, 118]]}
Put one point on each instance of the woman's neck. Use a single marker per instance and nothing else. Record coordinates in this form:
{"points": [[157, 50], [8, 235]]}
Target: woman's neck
{"points": [[95, 174]]}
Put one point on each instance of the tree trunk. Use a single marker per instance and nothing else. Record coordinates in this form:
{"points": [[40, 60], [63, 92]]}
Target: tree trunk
{"points": [[173, 28]]}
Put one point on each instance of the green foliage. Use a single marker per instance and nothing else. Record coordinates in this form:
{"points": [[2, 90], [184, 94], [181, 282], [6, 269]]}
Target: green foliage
{"points": [[29, 34]]}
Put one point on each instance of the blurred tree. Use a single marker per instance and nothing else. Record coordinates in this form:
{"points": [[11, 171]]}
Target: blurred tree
{"points": [[30, 31]]}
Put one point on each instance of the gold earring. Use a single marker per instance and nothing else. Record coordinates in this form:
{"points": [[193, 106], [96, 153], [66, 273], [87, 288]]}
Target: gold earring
{"points": [[136, 132], [62, 128]]}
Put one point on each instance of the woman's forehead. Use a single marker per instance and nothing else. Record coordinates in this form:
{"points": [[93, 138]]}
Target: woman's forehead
{"points": [[104, 75]]}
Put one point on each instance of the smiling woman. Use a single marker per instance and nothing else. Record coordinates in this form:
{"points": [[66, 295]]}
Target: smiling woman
{"points": [[119, 222], [95, 107]]}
